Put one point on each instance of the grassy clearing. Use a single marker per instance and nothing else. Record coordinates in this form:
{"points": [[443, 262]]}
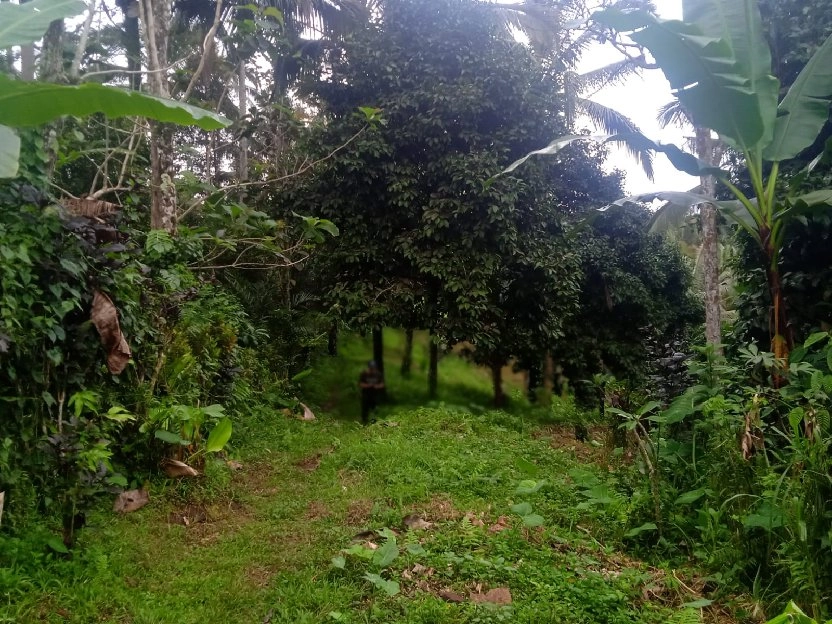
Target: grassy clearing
{"points": [[257, 545]]}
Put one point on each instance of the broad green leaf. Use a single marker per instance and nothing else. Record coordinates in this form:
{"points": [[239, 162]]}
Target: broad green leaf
{"points": [[170, 437], [35, 103], [9, 151], [214, 411], [339, 561], [303, 374], [529, 486], [391, 588], [690, 497], [647, 526], [21, 24], [815, 338], [415, 549], [805, 109], [523, 509], [533, 520], [119, 414], [739, 23], [697, 604], [57, 545], [702, 71], [219, 436], [386, 554]]}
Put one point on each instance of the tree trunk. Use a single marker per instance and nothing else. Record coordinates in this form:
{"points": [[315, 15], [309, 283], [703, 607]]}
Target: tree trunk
{"points": [[707, 151], [242, 95], [52, 54], [407, 357], [378, 347], [534, 375], [156, 17], [782, 336], [497, 383], [433, 367], [132, 43]]}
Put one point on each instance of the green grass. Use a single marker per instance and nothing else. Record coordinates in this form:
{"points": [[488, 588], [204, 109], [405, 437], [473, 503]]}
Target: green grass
{"points": [[306, 488]]}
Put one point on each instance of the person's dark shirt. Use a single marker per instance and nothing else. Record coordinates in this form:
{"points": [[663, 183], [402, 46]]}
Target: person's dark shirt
{"points": [[370, 376]]}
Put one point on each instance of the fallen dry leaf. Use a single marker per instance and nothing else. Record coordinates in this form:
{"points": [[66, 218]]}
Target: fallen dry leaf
{"points": [[473, 519], [175, 468], [500, 525], [498, 596], [105, 318], [131, 500], [414, 522], [308, 414], [234, 465], [451, 596]]}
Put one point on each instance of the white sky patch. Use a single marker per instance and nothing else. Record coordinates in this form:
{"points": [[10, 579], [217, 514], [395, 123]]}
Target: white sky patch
{"points": [[640, 98]]}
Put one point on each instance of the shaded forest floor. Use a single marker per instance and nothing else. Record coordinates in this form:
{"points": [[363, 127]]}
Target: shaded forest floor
{"points": [[438, 513]]}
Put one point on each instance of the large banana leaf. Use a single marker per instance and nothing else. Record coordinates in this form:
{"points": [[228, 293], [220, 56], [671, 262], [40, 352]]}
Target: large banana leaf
{"points": [[682, 160], [805, 109], [9, 149], [35, 103], [21, 24], [739, 23], [703, 72]]}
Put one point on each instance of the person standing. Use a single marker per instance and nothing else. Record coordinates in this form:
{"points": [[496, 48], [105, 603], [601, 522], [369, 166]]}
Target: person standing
{"points": [[371, 383]]}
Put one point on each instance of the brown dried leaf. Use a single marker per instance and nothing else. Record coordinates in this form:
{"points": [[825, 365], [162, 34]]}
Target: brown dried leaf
{"points": [[131, 500], [414, 522], [175, 468], [234, 465], [451, 596], [86, 207], [308, 414], [499, 526], [104, 316], [474, 519], [498, 596]]}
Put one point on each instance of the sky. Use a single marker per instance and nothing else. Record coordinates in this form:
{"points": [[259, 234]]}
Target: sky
{"points": [[640, 98]]}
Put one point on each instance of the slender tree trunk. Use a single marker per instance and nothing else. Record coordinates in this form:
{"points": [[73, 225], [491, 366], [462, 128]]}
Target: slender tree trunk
{"points": [[52, 54], [75, 68], [706, 150], [132, 42], [156, 17], [497, 383], [407, 357], [242, 95], [534, 374], [549, 372], [433, 367], [378, 347]]}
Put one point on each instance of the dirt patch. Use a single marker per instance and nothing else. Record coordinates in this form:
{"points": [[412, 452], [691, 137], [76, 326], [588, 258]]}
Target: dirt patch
{"points": [[310, 464], [438, 508], [316, 510], [259, 576], [257, 479], [359, 511], [595, 450], [190, 514], [349, 478]]}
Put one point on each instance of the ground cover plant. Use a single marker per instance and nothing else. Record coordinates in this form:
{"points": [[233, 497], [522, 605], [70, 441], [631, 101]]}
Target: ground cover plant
{"points": [[313, 527]]}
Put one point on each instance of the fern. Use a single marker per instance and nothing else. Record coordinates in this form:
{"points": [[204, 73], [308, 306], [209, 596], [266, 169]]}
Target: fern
{"points": [[686, 616]]}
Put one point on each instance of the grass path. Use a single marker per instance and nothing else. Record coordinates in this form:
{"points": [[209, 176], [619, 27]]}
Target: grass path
{"points": [[259, 546]]}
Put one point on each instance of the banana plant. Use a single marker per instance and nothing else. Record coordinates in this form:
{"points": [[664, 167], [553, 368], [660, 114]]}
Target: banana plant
{"points": [[718, 65], [34, 103]]}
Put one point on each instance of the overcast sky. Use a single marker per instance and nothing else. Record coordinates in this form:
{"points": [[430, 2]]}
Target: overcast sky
{"points": [[640, 98]]}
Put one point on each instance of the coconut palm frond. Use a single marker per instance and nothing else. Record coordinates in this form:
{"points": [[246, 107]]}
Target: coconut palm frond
{"points": [[612, 122], [671, 217], [673, 114], [614, 73], [540, 23]]}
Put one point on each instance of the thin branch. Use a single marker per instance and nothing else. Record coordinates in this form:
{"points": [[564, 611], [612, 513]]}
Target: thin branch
{"points": [[303, 169], [207, 45], [82, 43]]}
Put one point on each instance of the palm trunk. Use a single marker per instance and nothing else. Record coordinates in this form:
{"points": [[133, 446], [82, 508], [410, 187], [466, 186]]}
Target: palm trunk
{"points": [[52, 54], [242, 95], [433, 367], [710, 245], [407, 357], [156, 17]]}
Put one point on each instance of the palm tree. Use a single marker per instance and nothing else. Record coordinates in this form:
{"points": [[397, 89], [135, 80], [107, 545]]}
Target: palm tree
{"points": [[545, 25]]}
